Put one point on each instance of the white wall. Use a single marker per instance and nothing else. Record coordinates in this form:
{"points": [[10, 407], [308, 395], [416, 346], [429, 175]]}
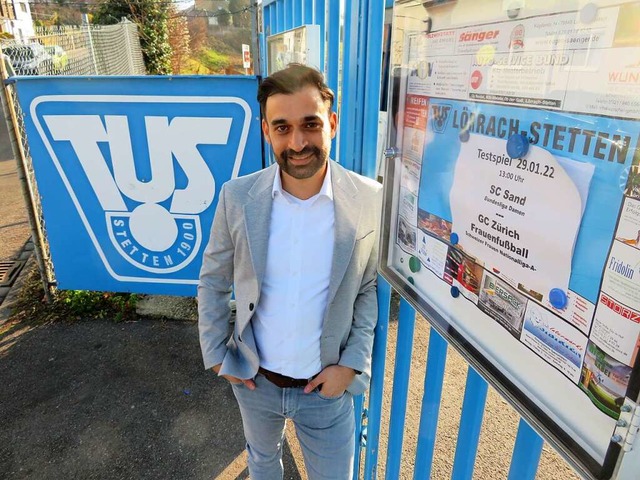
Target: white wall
{"points": [[22, 27]]}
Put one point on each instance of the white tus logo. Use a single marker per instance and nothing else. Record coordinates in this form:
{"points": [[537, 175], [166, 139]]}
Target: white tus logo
{"points": [[150, 180]]}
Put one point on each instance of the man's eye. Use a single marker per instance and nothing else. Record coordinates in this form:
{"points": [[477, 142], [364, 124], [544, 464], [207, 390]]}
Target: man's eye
{"points": [[313, 125], [281, 129]]}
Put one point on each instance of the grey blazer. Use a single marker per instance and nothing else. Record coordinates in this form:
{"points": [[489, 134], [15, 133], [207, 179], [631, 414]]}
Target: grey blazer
{"points": [[236, 255]]}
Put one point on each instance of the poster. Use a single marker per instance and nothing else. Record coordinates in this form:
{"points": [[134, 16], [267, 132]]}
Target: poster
{"points": [[517, 212]]}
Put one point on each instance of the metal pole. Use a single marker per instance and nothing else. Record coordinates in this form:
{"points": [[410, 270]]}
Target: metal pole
{"points": [[377, 380], [400, 391], [85, 23], [27, 190], [254, 39]]}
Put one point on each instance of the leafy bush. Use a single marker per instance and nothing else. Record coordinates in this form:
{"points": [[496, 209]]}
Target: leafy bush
{"points": [[85, 303]]}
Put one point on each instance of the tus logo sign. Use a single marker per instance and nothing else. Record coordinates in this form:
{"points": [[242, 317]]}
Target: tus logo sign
{"points": [[142, 174]]}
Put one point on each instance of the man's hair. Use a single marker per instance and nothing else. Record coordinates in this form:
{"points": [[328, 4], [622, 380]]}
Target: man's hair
{"points": [[291, 80]]}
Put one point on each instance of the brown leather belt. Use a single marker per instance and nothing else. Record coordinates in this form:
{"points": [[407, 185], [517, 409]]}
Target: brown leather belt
{"points": [[283, 381]]}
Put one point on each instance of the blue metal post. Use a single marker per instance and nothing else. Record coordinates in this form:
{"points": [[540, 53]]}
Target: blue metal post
{"points": [[433, 378], [288, 15], [526, 453], [307, 14], [404, 346], [362, 59], [373, 65], [475, 396], [330, 56], [272, 17], [279, 16], [297, 12], [358, 409], [348, 89], [378, 360], [319, 15]]}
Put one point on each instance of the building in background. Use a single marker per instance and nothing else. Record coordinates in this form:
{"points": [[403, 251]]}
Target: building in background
{"points": [[15, 19]]}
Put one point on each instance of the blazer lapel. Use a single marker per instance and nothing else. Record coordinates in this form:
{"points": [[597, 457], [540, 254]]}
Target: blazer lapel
{"points": [[347, 215], [257, 217]]}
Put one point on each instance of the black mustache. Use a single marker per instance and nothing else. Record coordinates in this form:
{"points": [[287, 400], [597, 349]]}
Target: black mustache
{"points": [[305, 151]]}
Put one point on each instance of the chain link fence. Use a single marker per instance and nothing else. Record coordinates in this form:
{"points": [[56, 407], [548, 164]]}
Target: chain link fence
{"points": [[85, 50]]}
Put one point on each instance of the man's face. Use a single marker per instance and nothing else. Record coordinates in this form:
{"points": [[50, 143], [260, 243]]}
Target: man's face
{"points": [[299, 128]]}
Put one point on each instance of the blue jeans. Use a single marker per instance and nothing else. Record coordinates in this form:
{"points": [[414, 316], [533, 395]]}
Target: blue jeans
{"points": [[325, 428]]}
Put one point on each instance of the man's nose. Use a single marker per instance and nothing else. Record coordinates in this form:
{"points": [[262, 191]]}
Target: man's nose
{"points": [[297, 141]]}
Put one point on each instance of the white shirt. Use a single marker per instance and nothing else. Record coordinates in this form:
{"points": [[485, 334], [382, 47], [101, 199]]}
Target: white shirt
{"points": [[287, 323]]}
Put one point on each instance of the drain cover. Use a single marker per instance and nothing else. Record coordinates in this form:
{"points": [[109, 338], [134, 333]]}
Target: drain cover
{"points": [[9, 272]]}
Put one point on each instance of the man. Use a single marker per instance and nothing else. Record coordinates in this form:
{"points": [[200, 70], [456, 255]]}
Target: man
{"points": [[298, 241]]}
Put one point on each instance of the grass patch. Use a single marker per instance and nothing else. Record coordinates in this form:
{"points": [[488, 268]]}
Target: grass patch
{"points": [[213, 60], [70, 305]]}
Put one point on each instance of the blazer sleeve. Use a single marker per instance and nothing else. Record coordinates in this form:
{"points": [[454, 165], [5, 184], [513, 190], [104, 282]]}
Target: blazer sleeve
{"points": [[214, 288], [357, 351]]}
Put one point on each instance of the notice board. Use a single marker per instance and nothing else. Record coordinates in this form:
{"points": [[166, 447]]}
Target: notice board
{"points": [[512, 208]]}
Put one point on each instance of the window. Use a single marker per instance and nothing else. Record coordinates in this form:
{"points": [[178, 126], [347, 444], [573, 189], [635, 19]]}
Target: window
{"points": [[23, 7]]}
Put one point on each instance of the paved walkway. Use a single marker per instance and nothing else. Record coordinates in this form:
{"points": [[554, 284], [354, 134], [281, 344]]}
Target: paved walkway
{"points": [[14, 227]]}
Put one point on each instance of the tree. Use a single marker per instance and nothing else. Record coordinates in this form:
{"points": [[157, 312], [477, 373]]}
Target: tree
{"points": [[224, 19], [179, 39], [151, 16], [241, 13]]}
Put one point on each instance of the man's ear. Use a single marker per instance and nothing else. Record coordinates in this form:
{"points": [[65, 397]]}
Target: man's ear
{"points": [[265, 131], [333, 122]]}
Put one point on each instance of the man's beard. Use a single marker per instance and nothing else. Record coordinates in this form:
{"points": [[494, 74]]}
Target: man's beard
{"points": [[308, 170]]}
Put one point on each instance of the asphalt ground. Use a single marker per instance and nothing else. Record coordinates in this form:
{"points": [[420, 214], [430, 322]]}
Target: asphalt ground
{"points": [[101, 400]]}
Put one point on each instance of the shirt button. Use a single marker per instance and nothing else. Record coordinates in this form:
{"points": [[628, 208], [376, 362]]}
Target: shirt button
{"points": [[251, 307]]}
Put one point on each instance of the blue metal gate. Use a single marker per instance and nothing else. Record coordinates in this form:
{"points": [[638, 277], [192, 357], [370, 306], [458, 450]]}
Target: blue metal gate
{"points": [[353, 68]]}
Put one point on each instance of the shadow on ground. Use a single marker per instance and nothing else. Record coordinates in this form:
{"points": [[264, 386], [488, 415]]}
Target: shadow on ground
{"points": [[97, 399]]}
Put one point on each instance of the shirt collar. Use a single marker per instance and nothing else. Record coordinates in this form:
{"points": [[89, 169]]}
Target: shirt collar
{"points": [[326, 190]]}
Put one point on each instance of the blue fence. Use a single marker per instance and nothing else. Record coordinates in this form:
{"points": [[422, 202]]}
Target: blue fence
{"points": [[353, 68]]}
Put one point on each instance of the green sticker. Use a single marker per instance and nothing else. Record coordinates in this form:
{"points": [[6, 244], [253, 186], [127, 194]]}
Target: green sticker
{"points": [[414, 264]]}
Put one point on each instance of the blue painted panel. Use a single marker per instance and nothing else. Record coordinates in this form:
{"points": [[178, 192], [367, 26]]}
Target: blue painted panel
{"points": [[377, 379], [288, 14], [433, 380], [280, 17], [526, 453], [307, 14], [475, 396], [404, 347], [129, 180]]}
